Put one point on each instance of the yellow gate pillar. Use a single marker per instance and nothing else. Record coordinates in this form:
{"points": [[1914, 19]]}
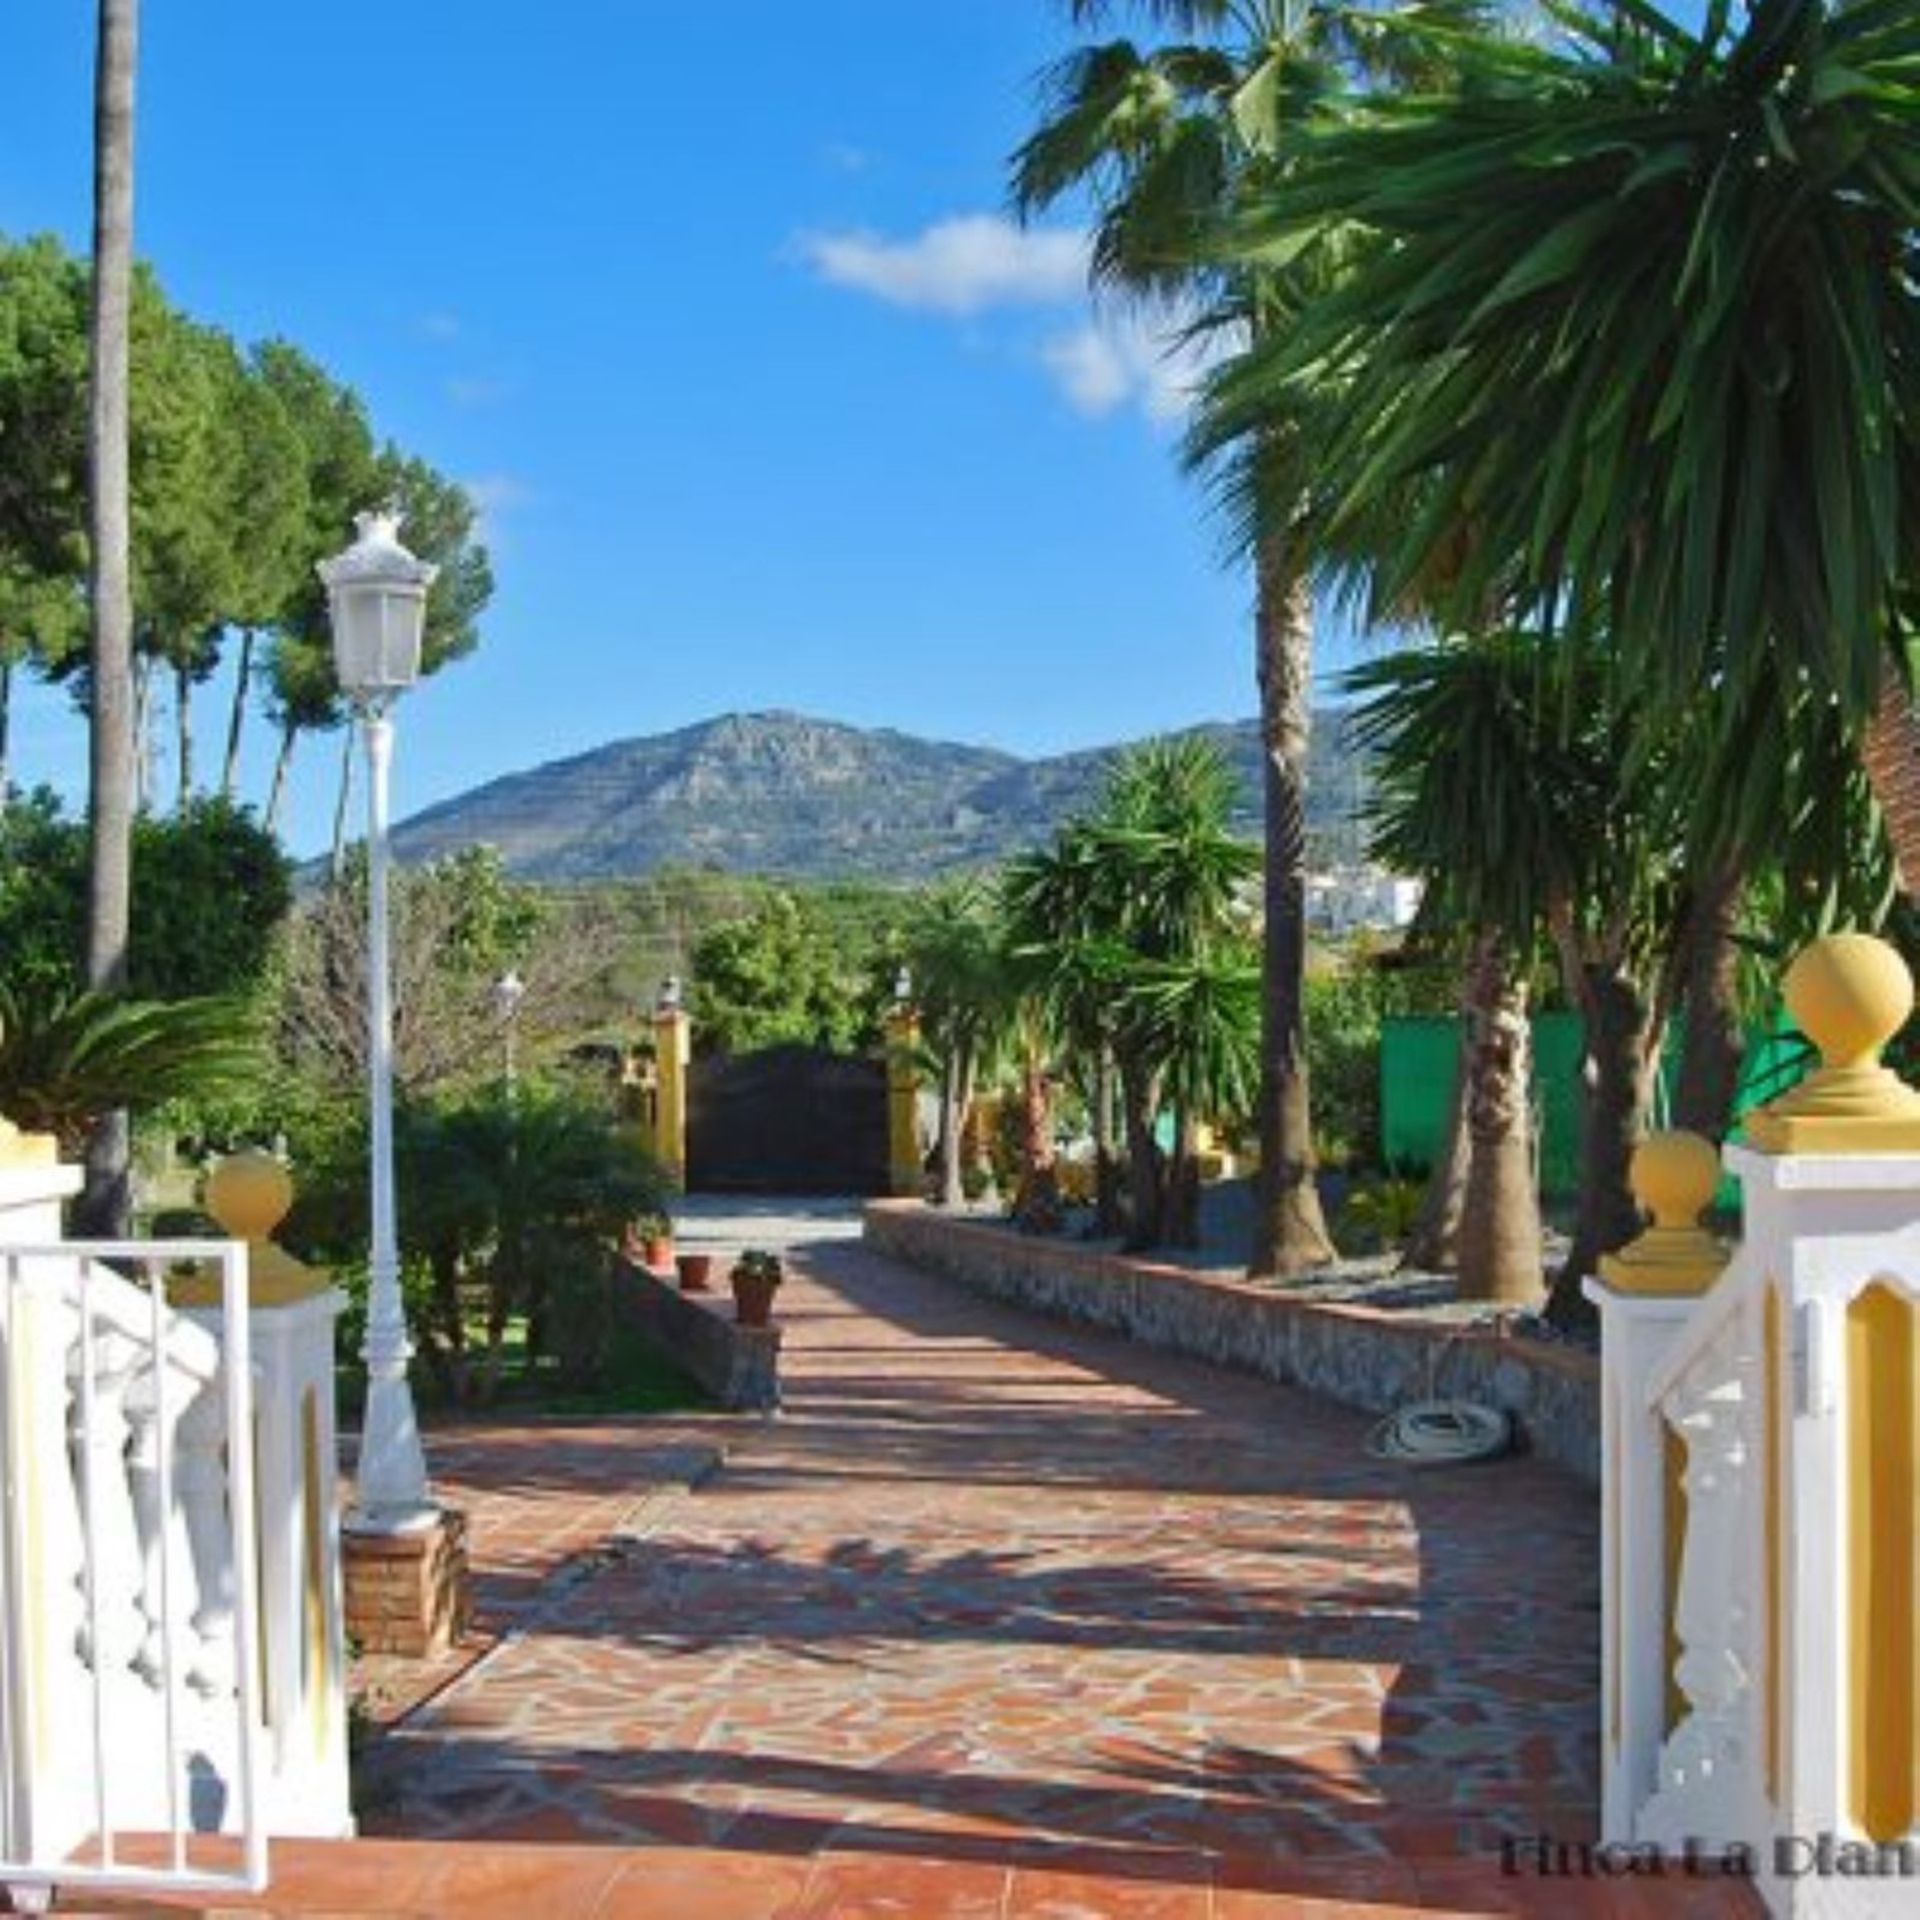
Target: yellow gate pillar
{"points": [[672, 1051], [904, 1178]]}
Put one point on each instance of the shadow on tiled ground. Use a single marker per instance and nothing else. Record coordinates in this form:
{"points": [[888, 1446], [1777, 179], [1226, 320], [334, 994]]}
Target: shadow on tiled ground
{"points": [[1000, 1591]]}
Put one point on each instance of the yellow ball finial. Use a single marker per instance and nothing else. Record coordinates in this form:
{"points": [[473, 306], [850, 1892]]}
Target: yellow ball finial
{"points": [[249, 1194], [1674, 1177], [1849, 994]]}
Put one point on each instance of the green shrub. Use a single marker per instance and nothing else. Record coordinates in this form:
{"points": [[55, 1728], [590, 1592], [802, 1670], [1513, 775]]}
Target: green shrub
{"points": [[1380, 1214]]}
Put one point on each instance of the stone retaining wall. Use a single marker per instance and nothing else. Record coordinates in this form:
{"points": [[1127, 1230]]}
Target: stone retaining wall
{"points": [[1366, 1357], [739, 1366]]}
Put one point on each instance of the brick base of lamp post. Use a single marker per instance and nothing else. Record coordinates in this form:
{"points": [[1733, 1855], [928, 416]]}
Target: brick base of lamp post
{"points": [[408, 1593]]}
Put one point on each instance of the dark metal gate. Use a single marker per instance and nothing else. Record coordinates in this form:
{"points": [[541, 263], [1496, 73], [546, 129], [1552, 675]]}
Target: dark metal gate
{"points": [[787, 1120]]}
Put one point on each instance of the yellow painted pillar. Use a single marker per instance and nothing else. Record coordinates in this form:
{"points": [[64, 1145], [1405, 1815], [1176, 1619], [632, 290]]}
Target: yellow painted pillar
{"points": [[1857, 1434], [905, 1179], [672, 1055]]}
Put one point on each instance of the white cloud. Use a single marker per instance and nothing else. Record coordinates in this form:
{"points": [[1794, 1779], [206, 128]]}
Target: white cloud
{"points": [[1120, 360], [843, 157], [495, 495], [961, 266], [468, 392], [440, 326]]}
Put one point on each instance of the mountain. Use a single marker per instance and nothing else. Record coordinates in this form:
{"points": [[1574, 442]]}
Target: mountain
{"points": [[780, 793]]}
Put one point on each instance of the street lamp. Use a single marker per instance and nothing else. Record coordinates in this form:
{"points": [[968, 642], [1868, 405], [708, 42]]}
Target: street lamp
{"points": [[508, 991], [377, 602]]}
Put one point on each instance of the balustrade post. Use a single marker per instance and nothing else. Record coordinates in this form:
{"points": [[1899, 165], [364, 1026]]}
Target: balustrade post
{"points": [[291, 1314], [1831, 1176], [1646, 1293], [42, 1768]]}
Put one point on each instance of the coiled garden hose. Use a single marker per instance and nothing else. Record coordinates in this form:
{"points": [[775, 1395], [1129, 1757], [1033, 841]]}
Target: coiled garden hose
{"points": [[1432, 1433]]}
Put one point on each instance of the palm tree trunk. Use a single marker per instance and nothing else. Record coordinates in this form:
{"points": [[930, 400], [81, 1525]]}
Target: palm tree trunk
{"points": [[105, 1207], [956, 1097], [1290, 1231], [1106, 1181], [1890, 753], [277, 792], [183, 724], [1619, 1067], [1140, 1107], [1500, 1208], [1434, 1244], [1037, 1205], [1183, 1185], [236, 717], [1714, 1040]]}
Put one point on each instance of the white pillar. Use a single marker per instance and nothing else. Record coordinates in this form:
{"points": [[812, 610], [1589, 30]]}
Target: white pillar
{"points": [[1635, 1330]]}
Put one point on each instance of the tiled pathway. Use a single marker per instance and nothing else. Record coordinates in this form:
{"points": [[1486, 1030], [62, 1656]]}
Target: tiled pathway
{"points": [[540, 1500], [1003, 1617]]}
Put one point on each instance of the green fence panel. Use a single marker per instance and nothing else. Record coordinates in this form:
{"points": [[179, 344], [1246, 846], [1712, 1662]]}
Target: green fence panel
{"points": [[1417, 1058], [1417, 1055]]}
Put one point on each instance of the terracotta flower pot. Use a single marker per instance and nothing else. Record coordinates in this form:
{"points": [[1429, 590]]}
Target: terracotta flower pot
{"points": [[753, 1299], [694, 1271], [657, 1253]]}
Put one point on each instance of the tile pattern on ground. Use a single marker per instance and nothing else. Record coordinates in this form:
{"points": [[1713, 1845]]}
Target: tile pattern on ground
{"points": [[537, 1497], [1003, 1619], [997, 1591]]}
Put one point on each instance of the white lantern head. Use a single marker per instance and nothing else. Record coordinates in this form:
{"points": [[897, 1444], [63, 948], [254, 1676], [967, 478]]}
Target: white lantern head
{"points": [[508, 991], [377, 600], [671, 994]]}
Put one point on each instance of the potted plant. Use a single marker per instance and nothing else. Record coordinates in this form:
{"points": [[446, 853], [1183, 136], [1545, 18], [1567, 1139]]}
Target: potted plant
{"points": [[694, 1271], [756, 1278], [654, 1232]]}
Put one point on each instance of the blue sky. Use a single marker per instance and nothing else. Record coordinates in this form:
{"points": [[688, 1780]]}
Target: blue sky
{"points": [[715, 309]]}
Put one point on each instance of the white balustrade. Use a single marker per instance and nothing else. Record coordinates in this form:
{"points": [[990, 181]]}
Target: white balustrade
{"points": [[171, 1653], [1762, 1451]]}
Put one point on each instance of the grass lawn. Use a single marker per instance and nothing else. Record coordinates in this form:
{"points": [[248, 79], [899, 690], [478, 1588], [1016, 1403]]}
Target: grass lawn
{"points": [[633, 1379]]}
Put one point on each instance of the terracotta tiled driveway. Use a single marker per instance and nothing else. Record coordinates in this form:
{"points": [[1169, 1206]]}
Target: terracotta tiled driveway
{"points": [[1007, 1617]]}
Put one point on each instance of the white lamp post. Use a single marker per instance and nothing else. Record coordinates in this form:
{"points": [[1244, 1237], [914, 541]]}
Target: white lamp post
{"points": [[377, 599], [508, 991]]}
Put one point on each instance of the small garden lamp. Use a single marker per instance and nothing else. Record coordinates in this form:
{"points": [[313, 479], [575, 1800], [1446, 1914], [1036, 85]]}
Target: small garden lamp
{"points": [[377, 604], [508, 991]]}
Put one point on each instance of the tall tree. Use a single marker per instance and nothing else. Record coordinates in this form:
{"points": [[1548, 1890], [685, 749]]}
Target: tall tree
{"points": [[107, 1202], [43, 480], [1168, 140]]}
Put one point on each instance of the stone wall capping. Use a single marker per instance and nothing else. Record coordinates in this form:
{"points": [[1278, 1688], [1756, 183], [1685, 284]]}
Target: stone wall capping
{"points": [[739, 1366], [1368, 1357]]}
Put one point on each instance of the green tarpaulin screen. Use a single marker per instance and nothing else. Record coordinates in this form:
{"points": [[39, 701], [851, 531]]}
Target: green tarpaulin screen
{"points": [[1417, 1055]]}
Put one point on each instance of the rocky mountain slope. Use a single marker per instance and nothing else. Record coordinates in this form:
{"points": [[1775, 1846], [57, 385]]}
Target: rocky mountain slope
{"points": [[780, 793]]}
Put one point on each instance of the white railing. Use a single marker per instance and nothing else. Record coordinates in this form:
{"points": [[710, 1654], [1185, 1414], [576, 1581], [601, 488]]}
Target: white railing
{"points": [[171, 1685], [1762, 1543]]}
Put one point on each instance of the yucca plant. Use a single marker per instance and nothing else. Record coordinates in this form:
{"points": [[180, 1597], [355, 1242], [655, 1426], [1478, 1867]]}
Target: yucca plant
{"points": [[1631, 325]]}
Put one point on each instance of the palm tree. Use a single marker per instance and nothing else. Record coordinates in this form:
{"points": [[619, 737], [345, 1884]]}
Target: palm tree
{"points": [[107, 1202], [1169, 140], [1463, 797], [1634, 316], [959, 972], [67, 1059], [1129, 932]]}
